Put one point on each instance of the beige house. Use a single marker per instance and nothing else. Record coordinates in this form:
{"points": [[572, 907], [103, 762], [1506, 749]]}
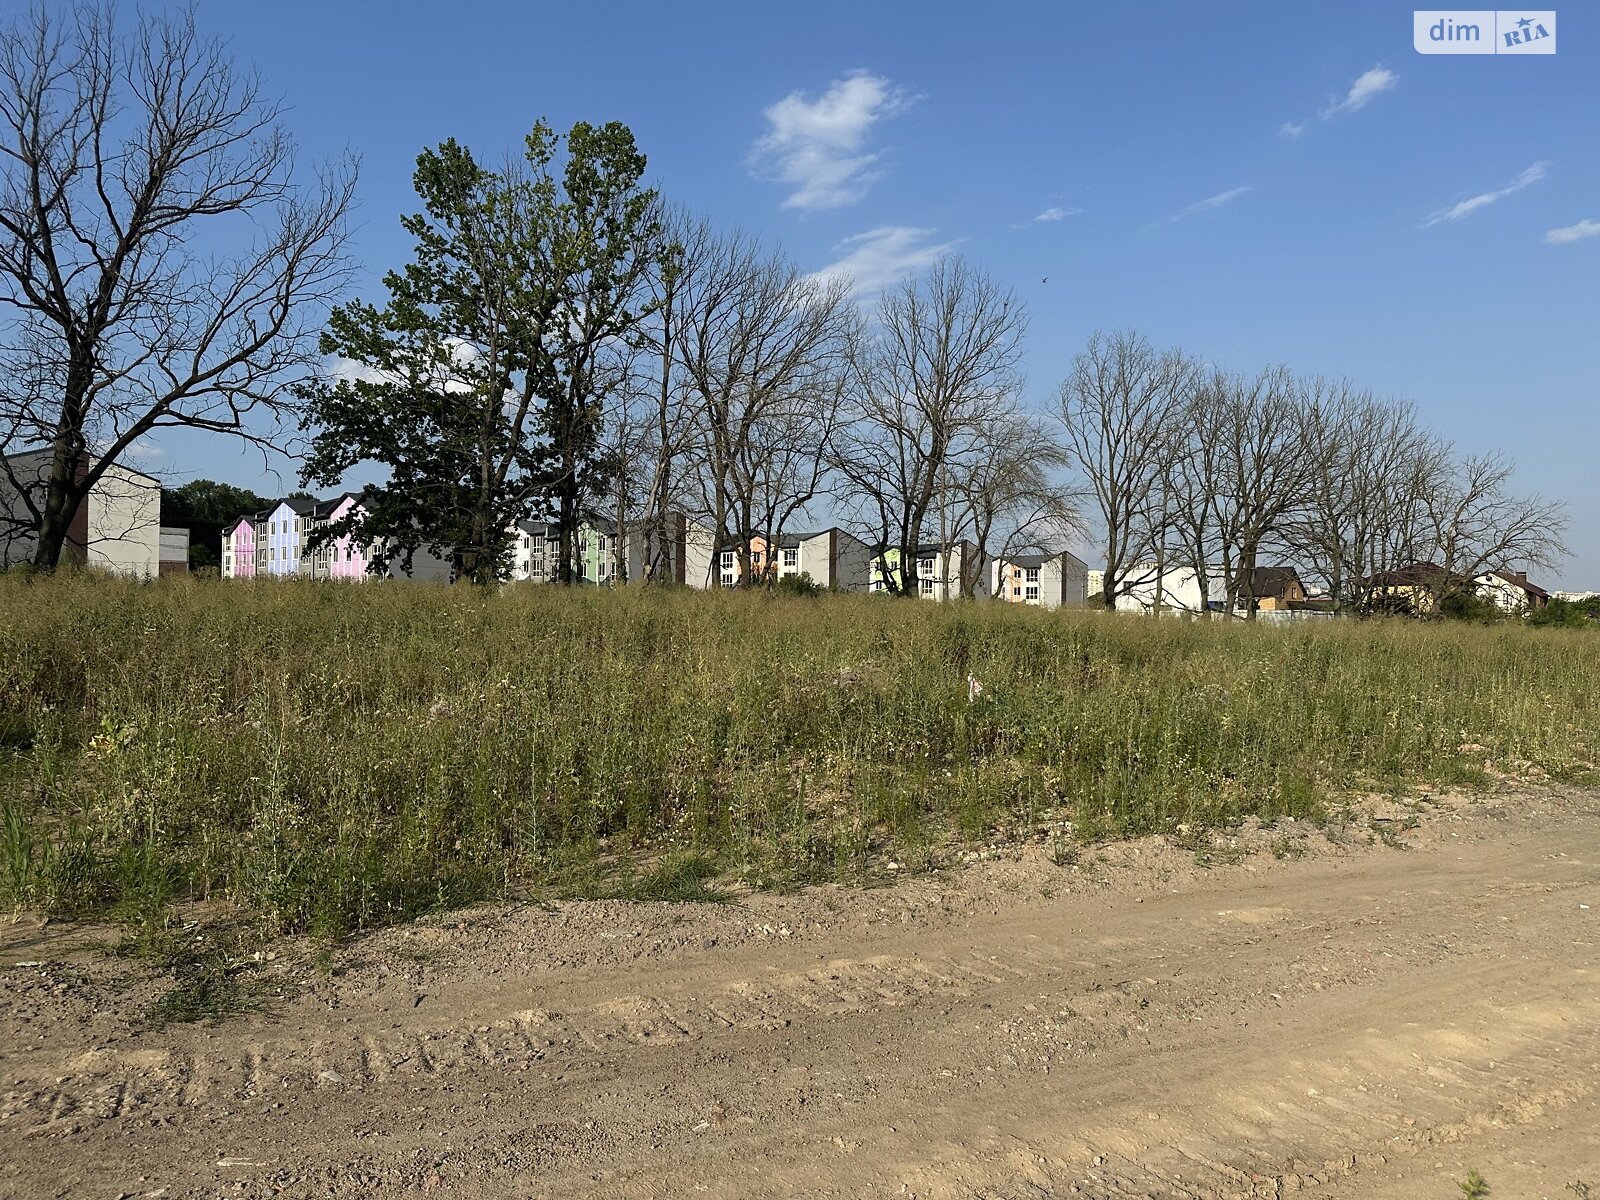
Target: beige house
{"points": [[117, 528], [1059, 580]]}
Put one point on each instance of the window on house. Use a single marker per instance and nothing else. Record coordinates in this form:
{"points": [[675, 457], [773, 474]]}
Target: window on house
{"points": [[791, 556], [727, 560], [927, 587], [602, 543], [1033, 594], [1015, 590], [1033, 574]]}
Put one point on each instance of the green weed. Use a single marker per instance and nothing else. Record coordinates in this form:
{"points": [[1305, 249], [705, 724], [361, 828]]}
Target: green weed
{"points": [[327, 757]]}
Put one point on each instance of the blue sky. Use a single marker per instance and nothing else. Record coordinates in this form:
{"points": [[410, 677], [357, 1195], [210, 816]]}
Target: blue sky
{"points": [[1402, 237]]}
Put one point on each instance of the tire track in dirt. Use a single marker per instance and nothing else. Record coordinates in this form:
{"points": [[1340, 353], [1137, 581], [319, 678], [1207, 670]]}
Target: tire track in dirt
{"points": [[153, 1077], [1326, 1028]]}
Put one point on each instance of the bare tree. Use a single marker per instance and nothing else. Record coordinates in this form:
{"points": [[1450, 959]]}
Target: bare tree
{"points": [[762, 349], [1122, 408], [127, 160], [1009, 494], [661, 403], [1478, 524], [942, 354], [1371, 463], [1258, 426]]}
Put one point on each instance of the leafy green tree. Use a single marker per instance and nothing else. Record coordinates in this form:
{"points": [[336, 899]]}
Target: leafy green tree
{"points": [[607, 240], [206, 508], [479, 386], [441, 385]]}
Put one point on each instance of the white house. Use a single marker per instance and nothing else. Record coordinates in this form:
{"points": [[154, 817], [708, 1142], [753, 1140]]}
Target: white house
{"points": [[1177, 589], [1059, 580], [117, 528], [1511, 592]]}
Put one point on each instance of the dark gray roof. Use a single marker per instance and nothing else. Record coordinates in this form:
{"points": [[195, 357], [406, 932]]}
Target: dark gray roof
{"points": [[1030, 560]]}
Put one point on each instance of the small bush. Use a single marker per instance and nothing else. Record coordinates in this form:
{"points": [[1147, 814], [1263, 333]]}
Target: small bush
{"points": [[797, 585]]}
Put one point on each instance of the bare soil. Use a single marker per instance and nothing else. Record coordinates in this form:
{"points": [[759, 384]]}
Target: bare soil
{"points": [[1367, 1010]]}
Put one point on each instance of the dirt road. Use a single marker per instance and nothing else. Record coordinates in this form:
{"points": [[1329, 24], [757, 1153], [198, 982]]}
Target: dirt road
{"points": [[1347, 1020]]}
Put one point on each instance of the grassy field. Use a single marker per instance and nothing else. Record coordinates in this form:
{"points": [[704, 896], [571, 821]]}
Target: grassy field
{"points": [[327, 757]]}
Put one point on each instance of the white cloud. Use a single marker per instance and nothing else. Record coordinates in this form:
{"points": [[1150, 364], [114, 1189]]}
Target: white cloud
{"points": [[819, 147], [1470, 205], [879, 257], [1367, 85], [1057, 213], [1210, 202], [146, 451], [1573, 233]]}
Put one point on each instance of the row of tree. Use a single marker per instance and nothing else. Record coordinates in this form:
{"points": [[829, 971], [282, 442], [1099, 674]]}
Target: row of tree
{"points": [[1195, 468], [563, 344]]}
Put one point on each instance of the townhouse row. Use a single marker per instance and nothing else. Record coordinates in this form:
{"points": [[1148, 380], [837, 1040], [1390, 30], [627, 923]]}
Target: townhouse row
{"points": [[273, 543]]}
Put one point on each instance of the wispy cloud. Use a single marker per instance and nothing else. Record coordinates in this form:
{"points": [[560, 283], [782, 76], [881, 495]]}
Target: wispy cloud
{"points": [[1473, 203], [879, 257], [1368, 84], [818, 147], [1573, 233], [1057, 213], [1206, 205], [146, 451]]}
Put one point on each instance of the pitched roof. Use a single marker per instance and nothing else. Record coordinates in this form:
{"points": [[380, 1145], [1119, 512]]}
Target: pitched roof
{"points": [[1273, 582], [1417, 574], [1520, 580], [790, 540]]}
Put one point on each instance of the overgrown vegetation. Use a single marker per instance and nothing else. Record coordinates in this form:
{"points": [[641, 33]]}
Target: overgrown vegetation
{"points": [[327, 757]]}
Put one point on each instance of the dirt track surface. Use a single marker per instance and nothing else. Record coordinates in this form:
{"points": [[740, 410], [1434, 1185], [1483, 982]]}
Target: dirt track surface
{"points": [[1362, 1020]]}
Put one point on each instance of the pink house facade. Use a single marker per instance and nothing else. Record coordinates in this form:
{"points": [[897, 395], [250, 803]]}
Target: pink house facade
{"points": [[239, 550], [347, 558]]}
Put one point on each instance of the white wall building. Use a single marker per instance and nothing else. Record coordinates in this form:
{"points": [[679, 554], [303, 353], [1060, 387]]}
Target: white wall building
{"points": [[117, 528], [1059, 580], [1176, 590]]}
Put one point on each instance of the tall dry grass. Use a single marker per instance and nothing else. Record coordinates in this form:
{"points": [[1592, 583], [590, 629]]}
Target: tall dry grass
{"points": [[333, 756]]}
